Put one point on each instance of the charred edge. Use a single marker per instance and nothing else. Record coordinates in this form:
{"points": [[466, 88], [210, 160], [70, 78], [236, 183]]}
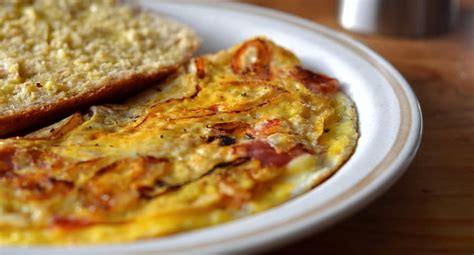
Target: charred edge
{"points": [[224, 140], [249, 137]]}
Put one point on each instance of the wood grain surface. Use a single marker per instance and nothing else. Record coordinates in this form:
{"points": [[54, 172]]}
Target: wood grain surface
{"points": [[431, 209]]}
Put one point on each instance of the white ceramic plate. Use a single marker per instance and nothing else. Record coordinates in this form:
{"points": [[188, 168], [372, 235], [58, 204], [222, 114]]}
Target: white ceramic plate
{"points": [[389, 123]]}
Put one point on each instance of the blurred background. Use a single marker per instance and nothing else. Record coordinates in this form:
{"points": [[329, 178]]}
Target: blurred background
{"points": [[431, 209]]}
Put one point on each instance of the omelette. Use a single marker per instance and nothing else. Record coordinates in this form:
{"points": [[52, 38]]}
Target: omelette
{"points": [[229, 135]]}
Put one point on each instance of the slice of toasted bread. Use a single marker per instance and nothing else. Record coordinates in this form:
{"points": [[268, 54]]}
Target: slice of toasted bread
{"points": [[59, 55]]}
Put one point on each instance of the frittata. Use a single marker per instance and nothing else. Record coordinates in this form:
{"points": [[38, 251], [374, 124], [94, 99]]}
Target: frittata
{"points": [[231, 134]]}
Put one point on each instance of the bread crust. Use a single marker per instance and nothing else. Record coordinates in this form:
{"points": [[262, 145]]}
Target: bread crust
{"points": [[46, 114]]}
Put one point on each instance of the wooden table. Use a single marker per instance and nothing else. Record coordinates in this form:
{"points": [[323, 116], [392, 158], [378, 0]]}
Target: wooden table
{"points": [[431, 209]]}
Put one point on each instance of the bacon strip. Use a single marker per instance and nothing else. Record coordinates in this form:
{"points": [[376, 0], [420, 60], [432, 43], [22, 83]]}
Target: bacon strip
{"points": [[261, 67], [317, 83], [267, 155]]}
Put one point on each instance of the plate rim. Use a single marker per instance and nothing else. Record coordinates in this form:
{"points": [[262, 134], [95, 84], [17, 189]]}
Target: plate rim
{"points": [[393, 165]]}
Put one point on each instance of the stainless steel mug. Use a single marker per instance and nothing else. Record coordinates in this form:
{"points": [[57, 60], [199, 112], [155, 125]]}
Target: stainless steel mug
{"points": [[398, 17]]}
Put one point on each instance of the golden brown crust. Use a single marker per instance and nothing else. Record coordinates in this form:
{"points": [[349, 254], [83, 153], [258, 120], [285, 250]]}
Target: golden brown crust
{"points": [[35, 117]]}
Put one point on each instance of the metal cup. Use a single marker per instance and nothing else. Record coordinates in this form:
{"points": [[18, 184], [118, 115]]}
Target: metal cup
{"points": [[398, 17]]}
